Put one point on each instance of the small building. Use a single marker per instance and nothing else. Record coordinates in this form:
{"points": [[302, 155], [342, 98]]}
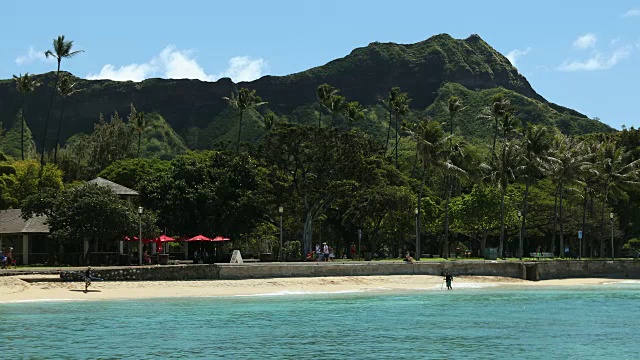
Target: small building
{"points": [[27, 237]]}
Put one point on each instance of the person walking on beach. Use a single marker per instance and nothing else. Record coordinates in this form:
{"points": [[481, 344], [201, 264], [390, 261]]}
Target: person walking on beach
{"points": [[448, 278], [87, 279]]}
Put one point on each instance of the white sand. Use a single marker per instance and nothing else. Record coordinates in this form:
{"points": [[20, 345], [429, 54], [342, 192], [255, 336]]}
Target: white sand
{"points": [[15, 289]]}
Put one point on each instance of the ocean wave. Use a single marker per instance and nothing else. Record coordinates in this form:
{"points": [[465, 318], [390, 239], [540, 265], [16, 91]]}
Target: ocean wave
{"points": [[294, 293]]}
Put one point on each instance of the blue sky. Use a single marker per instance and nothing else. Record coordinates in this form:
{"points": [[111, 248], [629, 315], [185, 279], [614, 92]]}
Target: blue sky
{"points": [[581, 54]]}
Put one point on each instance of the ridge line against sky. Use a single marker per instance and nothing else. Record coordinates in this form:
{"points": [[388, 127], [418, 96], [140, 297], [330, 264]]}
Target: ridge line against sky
{"points": [[583, 55]]}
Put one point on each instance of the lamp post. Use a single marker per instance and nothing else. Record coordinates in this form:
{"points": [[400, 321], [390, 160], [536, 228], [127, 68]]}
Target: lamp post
{"points": [[611, 217], [417, 212], [140, 235], [281, 210], [520, 251]]}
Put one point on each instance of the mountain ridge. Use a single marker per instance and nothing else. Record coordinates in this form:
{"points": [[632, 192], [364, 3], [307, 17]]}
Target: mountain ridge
{"points": [[365, 74]]}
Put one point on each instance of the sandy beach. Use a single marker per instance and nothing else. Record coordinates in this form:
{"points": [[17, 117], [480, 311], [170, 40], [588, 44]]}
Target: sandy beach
{"points": [[36, 288]]}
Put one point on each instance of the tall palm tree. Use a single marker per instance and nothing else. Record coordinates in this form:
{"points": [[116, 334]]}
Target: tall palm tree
{"points": [[536, 144], [324, 93], [62, 49], [25, 84], [66, 88], [138, 121], [498, 108], [388, 104], [243, 100], [502, 170], [454, 106], [400, 108], [570, 159], [432, 148], [616, 174], [588, 177]]}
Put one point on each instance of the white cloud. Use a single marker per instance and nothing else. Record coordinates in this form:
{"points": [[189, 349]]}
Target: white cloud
{"points": [[585, 41], [513, 55], [631, 13], [598, 61], [31, 56], [173, 63], [242, 68]]}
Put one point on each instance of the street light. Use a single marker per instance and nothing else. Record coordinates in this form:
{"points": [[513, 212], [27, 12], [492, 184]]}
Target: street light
{"points": [[416, 212], [611, 217], [140, 235], [520, 233], [281, 210]]}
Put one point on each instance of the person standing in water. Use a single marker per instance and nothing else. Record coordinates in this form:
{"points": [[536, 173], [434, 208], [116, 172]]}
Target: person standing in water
{"points": [[448, 278]]}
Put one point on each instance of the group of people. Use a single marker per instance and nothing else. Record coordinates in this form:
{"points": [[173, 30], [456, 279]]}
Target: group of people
{"points": [[6, 258], [321, 253]]}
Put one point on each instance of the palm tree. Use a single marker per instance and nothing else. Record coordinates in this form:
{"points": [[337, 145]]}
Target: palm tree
{"points": [[496, 111], [62, 49], [400, 108], [353, 111], [244, 99], [433, 152], [324, 93], [616, 176], [388, 103], [502, 171], [66, 87], [268, 121], [454, 106], [336, 104], [588, 177], [138, 121], [25, 84], [535, 148], [569, 161]]}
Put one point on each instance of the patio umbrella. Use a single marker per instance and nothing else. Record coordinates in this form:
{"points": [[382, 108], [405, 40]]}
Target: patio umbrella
{"points": [[199, 238], [220, 238]]}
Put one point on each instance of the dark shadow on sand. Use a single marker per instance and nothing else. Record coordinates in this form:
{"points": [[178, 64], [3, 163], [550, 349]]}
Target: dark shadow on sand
{"points": [[86, 291]]}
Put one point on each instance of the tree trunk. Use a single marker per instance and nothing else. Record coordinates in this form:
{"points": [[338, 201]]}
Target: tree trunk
{"points": [[555, 222], [582, 241], [501, 245], [561, 220], [602, 236], [55, 150], [319, 118], [46, 122], [418, 227], [523, 225], [591, 232], [446, 219], [495, 136], [483, 243], [139, 142], [239, 133]]}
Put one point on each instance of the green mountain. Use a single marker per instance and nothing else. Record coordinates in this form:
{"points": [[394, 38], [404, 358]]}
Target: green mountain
{"points": [[429, 71]]}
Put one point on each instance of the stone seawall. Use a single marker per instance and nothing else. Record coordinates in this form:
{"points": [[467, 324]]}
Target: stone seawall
{"points": [[538, 270]]}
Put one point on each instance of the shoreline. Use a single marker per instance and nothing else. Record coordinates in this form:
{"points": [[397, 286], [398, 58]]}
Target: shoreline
{"points": [[14, 289]]}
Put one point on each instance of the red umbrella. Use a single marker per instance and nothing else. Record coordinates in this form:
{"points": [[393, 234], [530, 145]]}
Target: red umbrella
{"points": [[199, 238], [164, 238], [220, 238]]}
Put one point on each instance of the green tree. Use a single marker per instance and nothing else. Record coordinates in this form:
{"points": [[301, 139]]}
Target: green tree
{"points": [[353, 111], [133, 172], [66, 88], [25, 84], [30, 179], [242, 101], [138, 121], [7, 180], [18, 139], [324, 94], [536, 146], [88, 212], [62, 49], [501, 171]]}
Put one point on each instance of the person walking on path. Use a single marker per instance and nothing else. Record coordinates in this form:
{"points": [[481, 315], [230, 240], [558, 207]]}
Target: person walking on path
{"points": [[448, 278], [87, 278]]}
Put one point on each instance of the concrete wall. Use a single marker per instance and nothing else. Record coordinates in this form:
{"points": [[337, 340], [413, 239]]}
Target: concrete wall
{"points": [[523, 270]]}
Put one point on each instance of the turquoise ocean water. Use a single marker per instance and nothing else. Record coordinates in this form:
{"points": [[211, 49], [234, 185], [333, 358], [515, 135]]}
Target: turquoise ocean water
{"points": [[595, 322]]}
